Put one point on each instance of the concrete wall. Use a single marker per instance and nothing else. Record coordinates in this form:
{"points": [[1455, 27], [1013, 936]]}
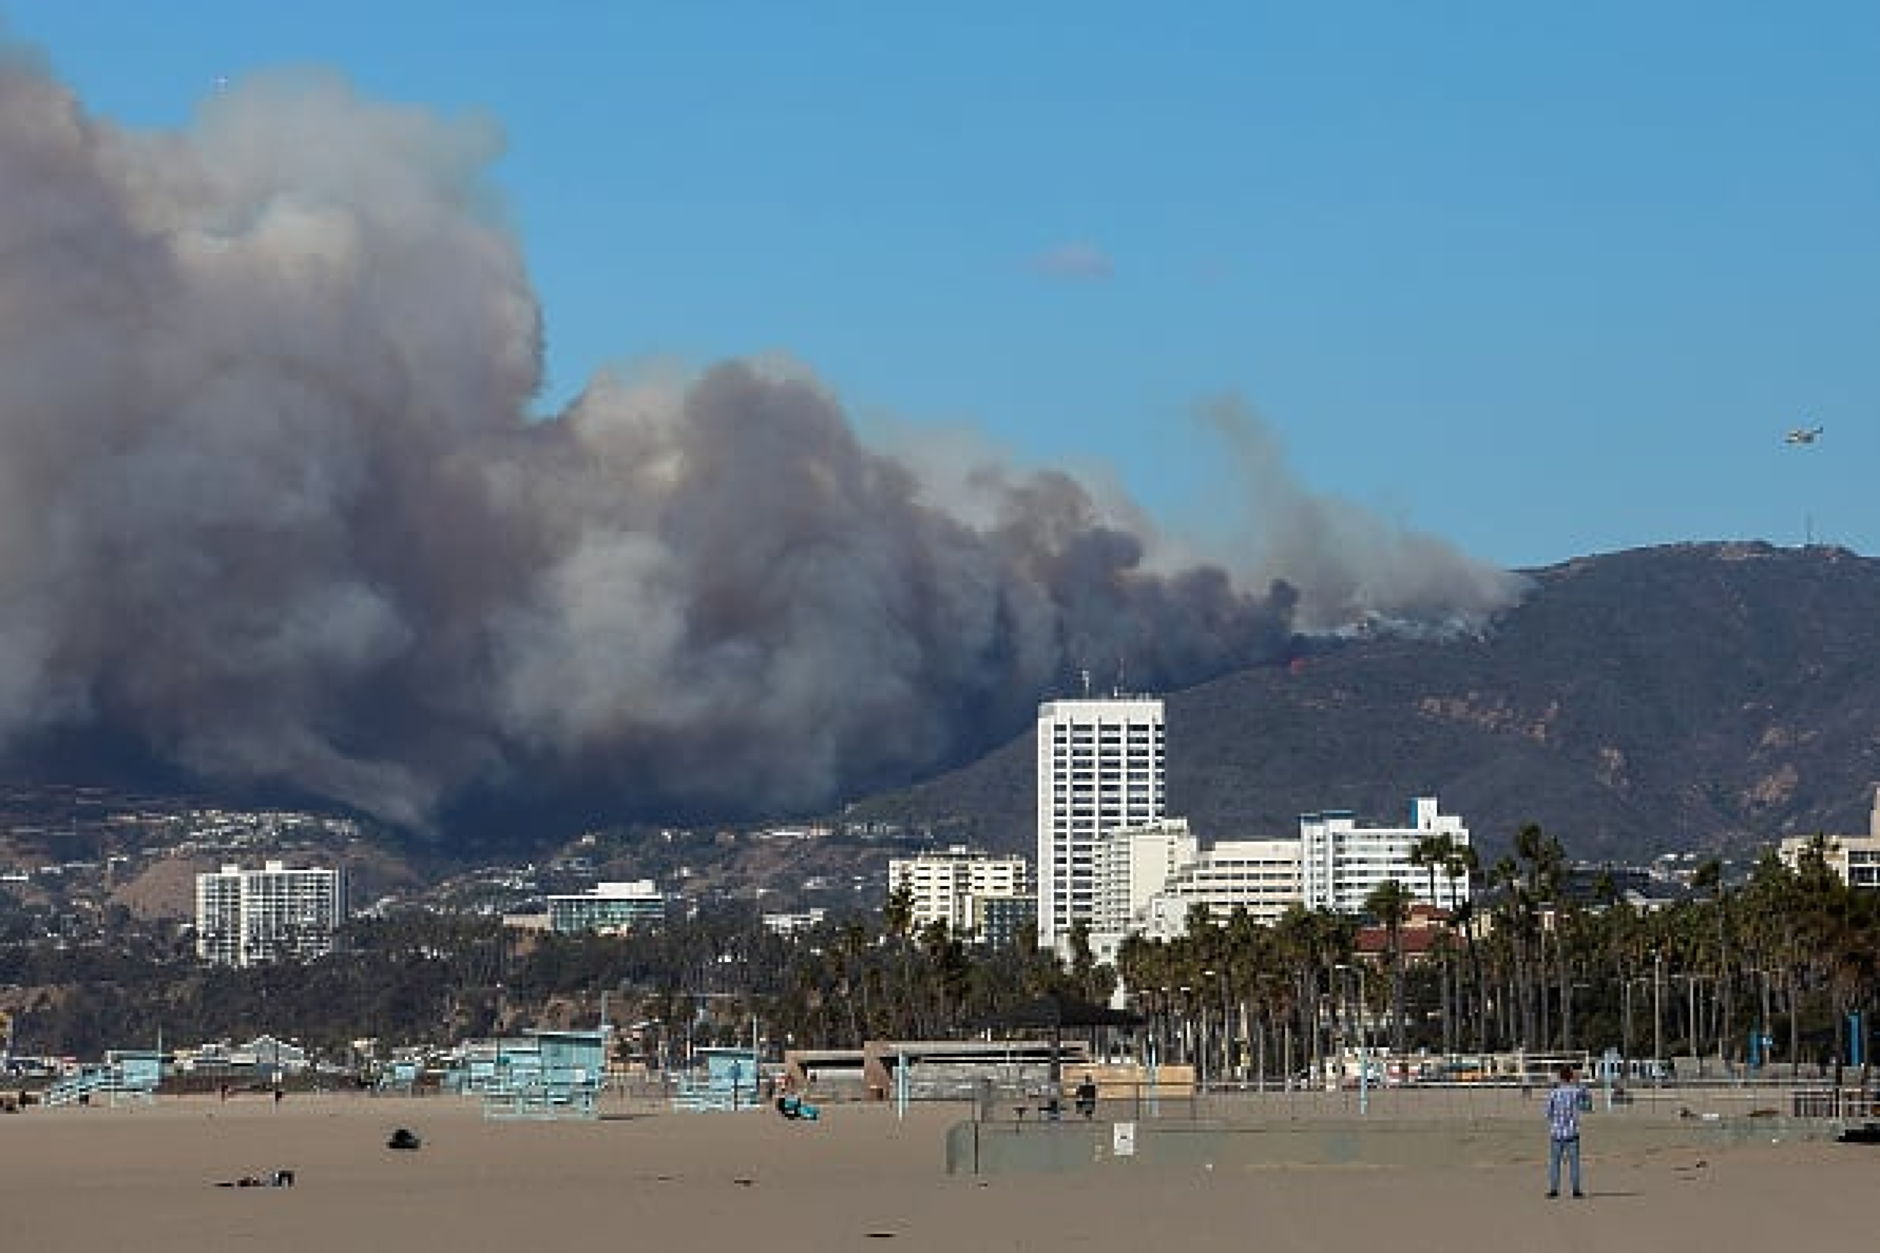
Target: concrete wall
{"points": [[990, 1148]]}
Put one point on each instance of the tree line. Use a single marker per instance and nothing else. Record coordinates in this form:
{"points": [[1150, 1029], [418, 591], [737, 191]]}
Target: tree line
{"points": [[1770, 969]]}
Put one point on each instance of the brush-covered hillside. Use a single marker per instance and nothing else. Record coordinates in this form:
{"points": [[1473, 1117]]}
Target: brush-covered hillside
{"points": [[1695, 696]]}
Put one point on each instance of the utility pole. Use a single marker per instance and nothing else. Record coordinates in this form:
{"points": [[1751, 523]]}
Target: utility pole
{"points": [[1658, 1009], [1690, 1017]]}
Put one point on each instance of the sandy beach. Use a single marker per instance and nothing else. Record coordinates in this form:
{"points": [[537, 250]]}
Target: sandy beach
{"points": [[146, 1177]]}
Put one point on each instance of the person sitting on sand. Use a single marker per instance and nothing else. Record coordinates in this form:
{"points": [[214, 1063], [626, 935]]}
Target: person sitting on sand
{"points": [[276, 1179]]}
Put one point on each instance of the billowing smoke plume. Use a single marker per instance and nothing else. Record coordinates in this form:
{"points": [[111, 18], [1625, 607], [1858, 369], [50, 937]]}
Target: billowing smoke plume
{"points": [[276, 511]]}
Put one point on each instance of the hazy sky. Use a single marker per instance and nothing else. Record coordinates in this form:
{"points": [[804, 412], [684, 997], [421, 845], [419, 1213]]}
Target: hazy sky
{"points": [[1541, 279]]}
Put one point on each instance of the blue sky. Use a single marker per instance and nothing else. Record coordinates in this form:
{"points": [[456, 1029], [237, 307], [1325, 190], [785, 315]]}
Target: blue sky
{"points": [[1544, 280]]}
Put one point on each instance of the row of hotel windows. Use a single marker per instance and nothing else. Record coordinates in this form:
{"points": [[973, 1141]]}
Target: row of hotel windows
{"points": [[1088, 728]]}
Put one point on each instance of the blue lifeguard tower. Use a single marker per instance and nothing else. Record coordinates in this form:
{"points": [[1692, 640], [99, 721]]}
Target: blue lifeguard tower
{"points": [[400, 1078], [128, 1074], [546, 1074], [729, 1080]]}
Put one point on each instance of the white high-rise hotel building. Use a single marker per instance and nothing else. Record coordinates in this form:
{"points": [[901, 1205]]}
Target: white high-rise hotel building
{"points": [[1100, 768], [245, 917]]}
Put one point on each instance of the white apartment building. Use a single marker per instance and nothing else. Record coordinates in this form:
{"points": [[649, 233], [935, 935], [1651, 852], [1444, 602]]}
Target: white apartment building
{"points": [[1260, 876], [1149, 878], [1855, 858], [1342, 863], [1100, 768], [953, 886], [247, 917], [1129, 866]]}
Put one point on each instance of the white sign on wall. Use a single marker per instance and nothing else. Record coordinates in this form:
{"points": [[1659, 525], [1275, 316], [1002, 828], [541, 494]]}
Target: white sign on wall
{"points": [[1123, 1139]]}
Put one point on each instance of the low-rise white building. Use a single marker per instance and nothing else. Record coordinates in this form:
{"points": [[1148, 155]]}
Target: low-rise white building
{"points": [[1342, 863], [793, 923], [1150, 878], [1147, 879], [1260, 876], [607, 906], [1855, 858]]}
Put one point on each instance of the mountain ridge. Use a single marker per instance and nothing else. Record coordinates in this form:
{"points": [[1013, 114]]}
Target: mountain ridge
{"points": [[1699, 696]]}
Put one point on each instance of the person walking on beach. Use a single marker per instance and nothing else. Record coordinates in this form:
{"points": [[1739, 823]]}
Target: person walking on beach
{"points": [[1564, 1104]]}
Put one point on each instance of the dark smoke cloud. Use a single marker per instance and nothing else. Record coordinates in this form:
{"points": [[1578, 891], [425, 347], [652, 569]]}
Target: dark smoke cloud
{"points": [[275, 508]]}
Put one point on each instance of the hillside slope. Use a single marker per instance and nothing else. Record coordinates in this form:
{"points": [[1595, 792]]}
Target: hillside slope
{"points": [[1694, 696]]}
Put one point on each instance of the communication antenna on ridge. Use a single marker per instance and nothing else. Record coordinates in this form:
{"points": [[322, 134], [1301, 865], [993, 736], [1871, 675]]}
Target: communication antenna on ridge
{"points": [[1121, 688], [1805, 437], [1086, 677]]}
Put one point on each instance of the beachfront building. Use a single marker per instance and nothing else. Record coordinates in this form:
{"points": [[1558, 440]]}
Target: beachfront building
{"points": [[1342, 863], [250, 917], [1100, 768], [952, 887], [1855, 858], [607, 907]]}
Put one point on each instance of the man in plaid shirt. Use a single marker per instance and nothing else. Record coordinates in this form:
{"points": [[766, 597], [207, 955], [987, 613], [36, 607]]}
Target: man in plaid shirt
{"points": [[1564, 1104]]}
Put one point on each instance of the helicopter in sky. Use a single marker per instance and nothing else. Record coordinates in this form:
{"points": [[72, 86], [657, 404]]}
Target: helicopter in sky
{"points": [[1803, 435]]}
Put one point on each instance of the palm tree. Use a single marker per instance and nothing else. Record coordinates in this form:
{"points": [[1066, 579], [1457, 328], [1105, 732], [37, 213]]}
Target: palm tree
{"points": [[1513, 919], [1462, 860], [1434, 852], [1708, 877], [1143, 965], [1540, 863], [1245, 950], [946, 979], [1771, 905], [1389, 903], [1089, 980], [1310, 944], [854, 981]]}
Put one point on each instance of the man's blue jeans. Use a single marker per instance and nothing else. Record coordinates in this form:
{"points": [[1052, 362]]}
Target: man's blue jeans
{"points": [[1569, 1149]]}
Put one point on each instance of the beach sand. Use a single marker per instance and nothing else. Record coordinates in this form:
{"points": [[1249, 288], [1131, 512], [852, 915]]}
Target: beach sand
{"points": [[144, 1177]]}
